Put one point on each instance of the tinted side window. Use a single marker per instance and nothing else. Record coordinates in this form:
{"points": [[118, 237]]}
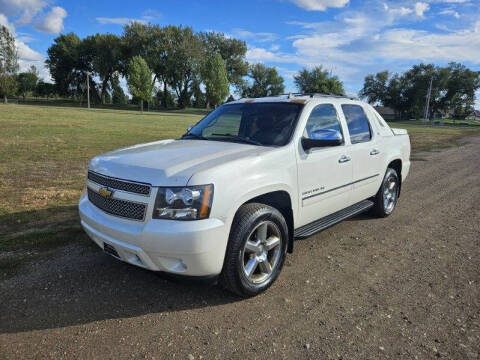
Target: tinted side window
{"points": [[358, 125], [323, 117]]}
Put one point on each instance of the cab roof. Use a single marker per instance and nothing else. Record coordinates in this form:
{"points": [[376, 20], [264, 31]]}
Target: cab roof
{"points": [[298, 98]]}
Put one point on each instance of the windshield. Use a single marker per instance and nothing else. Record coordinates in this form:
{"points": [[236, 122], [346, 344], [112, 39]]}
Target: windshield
{"points": [[268, 124]]}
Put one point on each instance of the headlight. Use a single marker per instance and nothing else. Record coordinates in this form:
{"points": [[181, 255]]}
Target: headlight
{"points": [[183, 203]]}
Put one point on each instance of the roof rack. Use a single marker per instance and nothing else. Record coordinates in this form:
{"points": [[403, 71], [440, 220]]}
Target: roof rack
{"points": [[311, 95]]}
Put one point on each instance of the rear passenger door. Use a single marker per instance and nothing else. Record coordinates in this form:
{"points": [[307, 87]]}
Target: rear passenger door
{"points": [[365, 152]]}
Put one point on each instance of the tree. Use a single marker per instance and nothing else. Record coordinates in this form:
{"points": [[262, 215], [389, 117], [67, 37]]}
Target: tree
{"points": [[106, 50], [27, 81], [232, 51], [397, 98], [375, 87], [143, 40], [462, 83], [8, 63], [68, 62], [170, 99], [152, 43], [173, 53], [199, 97], [139, 79], [44, 89], [265, 82], [318, 80], [453, 90], [404, 93], [214, 75], [118, 95], [416, 82], [182, 61]]}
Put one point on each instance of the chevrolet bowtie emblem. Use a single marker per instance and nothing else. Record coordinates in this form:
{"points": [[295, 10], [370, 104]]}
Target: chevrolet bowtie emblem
{"points": [[105, 192]]}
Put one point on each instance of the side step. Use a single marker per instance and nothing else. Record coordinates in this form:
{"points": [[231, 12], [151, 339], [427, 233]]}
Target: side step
{"points": [[332, 219]]}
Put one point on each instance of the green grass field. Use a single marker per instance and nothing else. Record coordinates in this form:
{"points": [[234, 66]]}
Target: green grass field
{"points": [[44, 151], [433, 138]]}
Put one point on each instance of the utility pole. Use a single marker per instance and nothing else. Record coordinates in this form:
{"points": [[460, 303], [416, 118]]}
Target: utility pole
{"points": [[88, 89], [427, 105]]}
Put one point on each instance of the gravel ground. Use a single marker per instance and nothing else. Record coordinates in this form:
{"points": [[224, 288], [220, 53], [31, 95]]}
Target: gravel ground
{"points": [[403, 287]]}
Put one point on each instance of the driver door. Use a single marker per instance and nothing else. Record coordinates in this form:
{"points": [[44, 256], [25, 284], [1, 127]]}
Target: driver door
{"points": [[324, 174]]}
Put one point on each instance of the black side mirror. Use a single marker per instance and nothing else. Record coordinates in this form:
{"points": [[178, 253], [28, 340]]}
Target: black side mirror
{"points": [[322, 138]]}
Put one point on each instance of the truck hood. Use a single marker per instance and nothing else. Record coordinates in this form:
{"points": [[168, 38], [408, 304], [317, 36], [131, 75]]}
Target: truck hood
{"points": [[170, 162]]}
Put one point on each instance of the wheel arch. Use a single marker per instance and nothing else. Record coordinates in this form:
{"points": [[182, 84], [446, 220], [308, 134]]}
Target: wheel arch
{"points": [[282, 201], [396, 164]]}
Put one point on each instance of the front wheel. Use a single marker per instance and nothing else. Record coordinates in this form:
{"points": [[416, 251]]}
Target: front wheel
{"points": [[387, 196], [256, 250]]}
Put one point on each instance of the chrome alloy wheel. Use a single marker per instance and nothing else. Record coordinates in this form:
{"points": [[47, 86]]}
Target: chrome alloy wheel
{"points": [[262, 252], [390, 193]]}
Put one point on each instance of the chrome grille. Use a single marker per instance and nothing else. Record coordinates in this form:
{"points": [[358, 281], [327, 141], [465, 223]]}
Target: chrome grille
{"points": [[122, 208], [133, 187]]}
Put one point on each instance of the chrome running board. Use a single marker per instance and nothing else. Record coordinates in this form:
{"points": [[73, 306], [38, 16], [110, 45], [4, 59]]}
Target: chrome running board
{"points": [[332, 219]]}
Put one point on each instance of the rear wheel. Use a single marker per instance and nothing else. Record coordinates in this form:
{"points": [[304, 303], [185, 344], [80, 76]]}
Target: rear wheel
{"points": [[387, 196], [256, 250]]}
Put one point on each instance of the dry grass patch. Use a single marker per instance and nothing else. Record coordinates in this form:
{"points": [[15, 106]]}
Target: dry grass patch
{"points": [[34, 198]]}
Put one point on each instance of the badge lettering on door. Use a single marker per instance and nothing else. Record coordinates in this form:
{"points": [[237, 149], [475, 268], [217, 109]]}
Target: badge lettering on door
{"points": [[309, 193]]}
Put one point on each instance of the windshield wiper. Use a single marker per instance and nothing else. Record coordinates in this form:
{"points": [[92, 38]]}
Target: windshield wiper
{"points": [[241, 139], [194, 136]]}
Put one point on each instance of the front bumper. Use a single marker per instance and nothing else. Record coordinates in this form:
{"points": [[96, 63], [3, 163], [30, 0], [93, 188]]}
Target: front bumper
{"points": [[192, 248]]}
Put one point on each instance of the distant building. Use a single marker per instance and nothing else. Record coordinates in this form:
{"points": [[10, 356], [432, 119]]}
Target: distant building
{"points": [[438, 115], [475, 115], [386, 112]]}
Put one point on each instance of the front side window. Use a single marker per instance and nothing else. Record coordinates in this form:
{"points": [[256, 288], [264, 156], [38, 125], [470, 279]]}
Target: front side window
{"points": [[323, 118], [267, 124], [358, 125]]}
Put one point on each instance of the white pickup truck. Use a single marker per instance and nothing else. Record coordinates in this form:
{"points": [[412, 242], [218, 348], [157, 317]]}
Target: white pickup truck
{"points": [[228, 199]]}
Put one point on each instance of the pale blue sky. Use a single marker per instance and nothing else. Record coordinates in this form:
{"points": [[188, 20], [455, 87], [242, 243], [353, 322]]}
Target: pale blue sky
{"points": [[351, 38]]}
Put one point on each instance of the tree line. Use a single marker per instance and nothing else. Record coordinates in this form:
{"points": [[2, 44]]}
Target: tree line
{"points": [[173, 66], [170, 66], [174, 58], [453, 90], [11, 81]]}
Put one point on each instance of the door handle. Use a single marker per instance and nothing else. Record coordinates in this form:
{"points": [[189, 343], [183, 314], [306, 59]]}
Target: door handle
{"points": [[344, 159], [375, 152]]}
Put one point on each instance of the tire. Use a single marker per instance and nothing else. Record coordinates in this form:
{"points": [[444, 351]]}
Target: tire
{"points": [[386, 198], [255, 223]]}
